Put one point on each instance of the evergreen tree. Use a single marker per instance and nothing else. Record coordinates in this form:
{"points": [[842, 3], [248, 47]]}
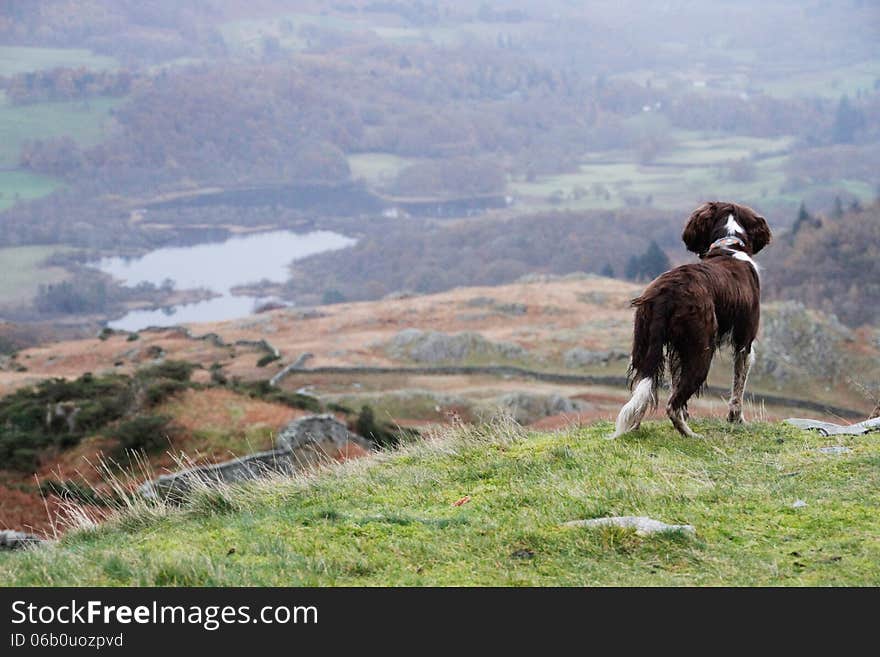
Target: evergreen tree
{"points": [[837, 210], [803, 220], [847, 121], [648, 265], [654, 261], [607, 271]]}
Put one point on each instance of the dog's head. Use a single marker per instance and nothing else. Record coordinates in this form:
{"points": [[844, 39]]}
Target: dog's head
{"points": [[714, 220]]}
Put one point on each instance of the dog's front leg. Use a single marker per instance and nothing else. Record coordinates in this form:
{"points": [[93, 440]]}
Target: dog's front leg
{"points": [[742, 362]]}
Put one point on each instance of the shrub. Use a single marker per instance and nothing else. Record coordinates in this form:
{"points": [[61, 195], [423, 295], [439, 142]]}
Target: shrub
{"points": [[268, 358], [143, 433], [382, 434], [176, 370]]}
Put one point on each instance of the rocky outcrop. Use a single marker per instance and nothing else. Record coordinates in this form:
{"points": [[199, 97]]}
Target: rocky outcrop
{"points": [[436, 347], [795, 341], [301, 444], [13, 540], [580, 357], [526, 407]]}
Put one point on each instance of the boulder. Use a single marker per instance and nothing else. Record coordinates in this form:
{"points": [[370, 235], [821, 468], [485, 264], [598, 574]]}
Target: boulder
{"points": [[13, 540], [436, 347], [580, 357], [321, 434], [302, 443], [527, 407], [794, 339]]}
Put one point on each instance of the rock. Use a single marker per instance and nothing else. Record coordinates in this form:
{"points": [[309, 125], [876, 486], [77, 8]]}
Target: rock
{"points": [[794, 338], [322, 434], [831, 429], [580, 357], [798, 504], [527, 407], [13, 540], [512, 308], [436, 347], [480, 302], [302, 443], [643, 525], [834, 449], [398, 295]]}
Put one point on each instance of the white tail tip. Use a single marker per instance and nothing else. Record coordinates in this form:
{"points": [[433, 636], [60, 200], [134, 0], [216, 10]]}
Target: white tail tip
{"points": [[634, 410]]}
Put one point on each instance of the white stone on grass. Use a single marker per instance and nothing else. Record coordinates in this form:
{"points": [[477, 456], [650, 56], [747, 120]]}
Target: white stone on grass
{"points": [[643, 525]]}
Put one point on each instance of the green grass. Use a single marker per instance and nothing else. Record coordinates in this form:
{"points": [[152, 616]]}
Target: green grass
{"points": [[24, 59], [85, 121], [23, 185], [377, 169], [695, 168], [390, 519], [24, 271]]}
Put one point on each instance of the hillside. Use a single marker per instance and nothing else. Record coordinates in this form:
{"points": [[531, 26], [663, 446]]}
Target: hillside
{"points": [[486, 506]]}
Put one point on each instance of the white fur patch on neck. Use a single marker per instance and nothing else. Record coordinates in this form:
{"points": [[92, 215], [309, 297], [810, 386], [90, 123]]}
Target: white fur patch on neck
{"points": [[745, 257], [733, 227]]}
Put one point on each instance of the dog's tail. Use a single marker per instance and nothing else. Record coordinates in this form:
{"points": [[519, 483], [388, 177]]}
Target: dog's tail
{"points": [[647, 364]]}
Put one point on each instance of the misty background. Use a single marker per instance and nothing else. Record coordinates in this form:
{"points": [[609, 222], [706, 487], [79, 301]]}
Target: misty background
{"points": [[440, 144]]}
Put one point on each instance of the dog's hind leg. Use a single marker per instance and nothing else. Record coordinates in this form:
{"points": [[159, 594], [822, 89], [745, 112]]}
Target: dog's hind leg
{"points": [[688, 377], [742, 363]]}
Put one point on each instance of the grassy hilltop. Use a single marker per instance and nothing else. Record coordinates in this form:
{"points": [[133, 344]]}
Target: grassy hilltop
{"points": [[391, 519]]}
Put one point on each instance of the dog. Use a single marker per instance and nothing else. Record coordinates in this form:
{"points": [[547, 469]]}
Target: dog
{"points": [[685, 314]]}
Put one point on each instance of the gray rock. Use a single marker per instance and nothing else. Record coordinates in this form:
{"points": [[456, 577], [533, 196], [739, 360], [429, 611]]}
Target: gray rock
{"points": [[480, 302], [13, 540], [580, 357], [798, 504], [527, 407], [512, 308], [794, 339], [322, 433], [436, 347], [643, 525], [831, 429], [301, 444], [834, 449]]}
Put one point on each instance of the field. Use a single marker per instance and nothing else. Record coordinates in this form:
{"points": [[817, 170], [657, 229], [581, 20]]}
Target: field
{"points": [[377, 169], [85, 121], [23, 59], [692, 168], [22, 185], [23, 271], [486, 506]]}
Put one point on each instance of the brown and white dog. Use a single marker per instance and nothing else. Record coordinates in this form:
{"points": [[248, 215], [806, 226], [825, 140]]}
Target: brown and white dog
{"points": [[688, 312]]}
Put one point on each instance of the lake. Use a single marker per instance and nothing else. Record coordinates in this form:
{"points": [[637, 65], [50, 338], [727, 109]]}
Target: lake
{"points": [[217, 267]]}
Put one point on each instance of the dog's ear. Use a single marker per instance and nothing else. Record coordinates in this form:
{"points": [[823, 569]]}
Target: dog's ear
{"points": [[755, 226], [698, 230]]}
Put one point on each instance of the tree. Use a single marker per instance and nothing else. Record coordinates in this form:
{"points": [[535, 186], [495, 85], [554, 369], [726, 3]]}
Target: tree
{"points": [[847, 121], [649, 264], [804, 219]]}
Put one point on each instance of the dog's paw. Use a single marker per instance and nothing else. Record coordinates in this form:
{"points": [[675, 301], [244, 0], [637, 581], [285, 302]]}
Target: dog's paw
{"points": [[735, 417]]}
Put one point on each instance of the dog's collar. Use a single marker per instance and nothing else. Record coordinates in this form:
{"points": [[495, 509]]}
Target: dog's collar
{"points": [[726, 242]]}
